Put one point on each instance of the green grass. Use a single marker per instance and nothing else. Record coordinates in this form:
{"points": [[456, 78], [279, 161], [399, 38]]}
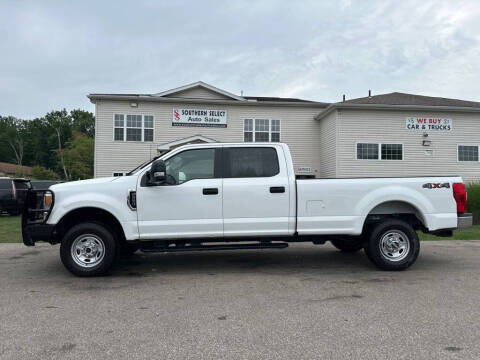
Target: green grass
{"points": [[10, 229], [472, 233], [11, 232]]}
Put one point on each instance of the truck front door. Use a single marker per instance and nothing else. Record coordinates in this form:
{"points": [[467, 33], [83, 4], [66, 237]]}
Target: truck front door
{"points": [[189, 204]]}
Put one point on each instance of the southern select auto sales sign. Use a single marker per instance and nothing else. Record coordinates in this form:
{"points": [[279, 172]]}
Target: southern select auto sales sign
{"points": [[199, 117], [425, 124]]}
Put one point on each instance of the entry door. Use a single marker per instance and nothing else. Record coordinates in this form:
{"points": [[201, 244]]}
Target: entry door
{"points": [[255, 192], [189, 205]]}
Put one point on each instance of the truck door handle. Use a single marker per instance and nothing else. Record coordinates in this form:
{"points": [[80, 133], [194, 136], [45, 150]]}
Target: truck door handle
{"points": [[210, 191], [277, 189]]}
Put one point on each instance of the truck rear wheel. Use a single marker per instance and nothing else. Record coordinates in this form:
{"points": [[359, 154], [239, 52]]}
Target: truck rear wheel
{"points": [[348, 245], [88, 249], [393, 245]]}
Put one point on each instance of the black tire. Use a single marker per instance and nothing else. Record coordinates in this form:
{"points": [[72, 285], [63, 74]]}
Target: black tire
{"points": [[127, 250], [405, 248], [97, 234], [348, 245]]}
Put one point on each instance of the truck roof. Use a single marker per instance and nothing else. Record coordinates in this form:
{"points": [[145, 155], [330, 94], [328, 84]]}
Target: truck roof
{"points": [[253, 144], [220, 144]]}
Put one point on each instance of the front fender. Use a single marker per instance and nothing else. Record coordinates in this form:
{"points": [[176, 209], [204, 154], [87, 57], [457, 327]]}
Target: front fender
{"points": [[117, 206], [65, 205]]}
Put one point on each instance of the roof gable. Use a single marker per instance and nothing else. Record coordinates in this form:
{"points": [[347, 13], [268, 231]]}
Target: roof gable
{"points": [[195, 139], [200, 90]]}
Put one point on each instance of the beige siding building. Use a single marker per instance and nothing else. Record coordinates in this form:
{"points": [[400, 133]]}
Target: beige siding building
{"points": [[385, 135]]}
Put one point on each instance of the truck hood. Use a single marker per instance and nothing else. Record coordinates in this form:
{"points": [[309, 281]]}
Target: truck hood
{"points": [[83, 182]]}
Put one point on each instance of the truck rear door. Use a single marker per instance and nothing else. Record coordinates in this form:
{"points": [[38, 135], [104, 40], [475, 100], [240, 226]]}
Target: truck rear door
{"points": [[255, 191]]}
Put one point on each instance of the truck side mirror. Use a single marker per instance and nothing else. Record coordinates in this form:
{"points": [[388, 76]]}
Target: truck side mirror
{"points": [[158, 172]]}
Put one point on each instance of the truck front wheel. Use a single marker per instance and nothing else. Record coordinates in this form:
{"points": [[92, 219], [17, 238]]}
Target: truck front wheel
{"points": [[88, 249], [393, 245]]}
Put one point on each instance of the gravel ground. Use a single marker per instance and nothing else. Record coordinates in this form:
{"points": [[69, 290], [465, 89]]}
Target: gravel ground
{"points": [[303, 302]]}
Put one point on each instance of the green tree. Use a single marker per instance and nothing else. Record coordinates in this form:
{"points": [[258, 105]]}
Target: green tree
{"points": [[39, 144], [61, 124], [13, 135], [6, 153], [42, 173], [83, 122], [43, 141], [79, 156]]}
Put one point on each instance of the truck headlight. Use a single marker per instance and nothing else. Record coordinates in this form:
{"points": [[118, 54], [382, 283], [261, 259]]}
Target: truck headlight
{"points": [[47, 200]]}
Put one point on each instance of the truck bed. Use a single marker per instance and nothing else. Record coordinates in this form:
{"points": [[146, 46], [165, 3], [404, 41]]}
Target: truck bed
{"points": [[340, 206]]}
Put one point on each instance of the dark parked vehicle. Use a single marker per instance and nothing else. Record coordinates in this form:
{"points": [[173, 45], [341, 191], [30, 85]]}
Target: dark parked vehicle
{"points": [[13, 192], [43, 184]]}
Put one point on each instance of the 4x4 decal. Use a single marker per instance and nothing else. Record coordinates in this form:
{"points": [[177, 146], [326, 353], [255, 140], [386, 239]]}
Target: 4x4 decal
{"points": [[436, 185]]}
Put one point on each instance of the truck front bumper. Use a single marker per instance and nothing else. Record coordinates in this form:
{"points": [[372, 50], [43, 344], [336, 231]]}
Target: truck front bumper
{"points": [[465, 220], [34, 218], [32, 233]]}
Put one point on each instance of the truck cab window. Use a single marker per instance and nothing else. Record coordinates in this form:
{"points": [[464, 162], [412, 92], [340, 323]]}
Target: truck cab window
{"points": [[191, 164], [253, 162]]}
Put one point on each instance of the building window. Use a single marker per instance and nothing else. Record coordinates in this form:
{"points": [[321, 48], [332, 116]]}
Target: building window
{"points": [[366, 151], [374, 151], [133, 127], [119, 127], [275, 131], [148, 128], [392, 152], [261, 130], [248, 130], [467, 153], [119, 173]]}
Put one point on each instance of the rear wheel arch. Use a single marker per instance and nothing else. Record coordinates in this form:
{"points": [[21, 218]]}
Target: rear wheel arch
{"points": [[394, 209]]}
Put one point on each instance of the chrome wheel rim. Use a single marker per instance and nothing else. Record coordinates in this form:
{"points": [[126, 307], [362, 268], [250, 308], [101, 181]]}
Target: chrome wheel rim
{"points": [[394, 245], [88, 250]]}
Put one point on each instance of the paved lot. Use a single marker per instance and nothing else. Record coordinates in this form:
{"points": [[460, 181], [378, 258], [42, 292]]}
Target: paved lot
{"points": [[302, 302]]}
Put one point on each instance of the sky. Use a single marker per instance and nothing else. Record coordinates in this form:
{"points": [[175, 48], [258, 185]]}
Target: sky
{"points": [[54, 53]]}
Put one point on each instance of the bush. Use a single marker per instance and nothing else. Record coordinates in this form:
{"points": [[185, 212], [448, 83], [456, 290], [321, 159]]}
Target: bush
{"points": [[41, 173], [473, 201], [473, 193], [19, 174]]}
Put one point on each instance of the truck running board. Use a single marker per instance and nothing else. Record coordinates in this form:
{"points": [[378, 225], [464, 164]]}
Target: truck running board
{"points": [[201, 247]]}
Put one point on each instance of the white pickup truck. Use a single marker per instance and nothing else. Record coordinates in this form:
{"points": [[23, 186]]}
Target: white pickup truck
{"points": [[239, 196]]}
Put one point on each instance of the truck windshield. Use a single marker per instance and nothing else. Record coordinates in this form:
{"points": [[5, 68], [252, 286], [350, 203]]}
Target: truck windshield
{"points": [[142, 165]]}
